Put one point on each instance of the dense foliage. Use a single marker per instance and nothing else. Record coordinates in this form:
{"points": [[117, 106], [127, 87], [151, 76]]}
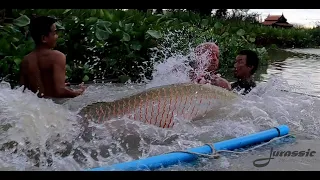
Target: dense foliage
{"points": [[106, 45]]}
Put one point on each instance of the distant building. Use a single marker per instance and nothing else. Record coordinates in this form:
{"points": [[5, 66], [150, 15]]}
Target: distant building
{"points": [[277, 21]]}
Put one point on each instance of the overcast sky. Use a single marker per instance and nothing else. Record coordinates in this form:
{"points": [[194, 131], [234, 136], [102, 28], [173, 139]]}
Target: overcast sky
{"points": [[306, 17]]}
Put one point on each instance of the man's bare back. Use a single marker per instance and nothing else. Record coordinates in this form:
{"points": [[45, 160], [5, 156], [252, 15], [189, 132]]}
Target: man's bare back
{"points": [[44, 69]]}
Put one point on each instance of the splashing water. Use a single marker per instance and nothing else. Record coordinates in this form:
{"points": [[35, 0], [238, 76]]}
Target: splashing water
{"points": [[177, 65], [38, 134], [27, 127], [174, 70]]}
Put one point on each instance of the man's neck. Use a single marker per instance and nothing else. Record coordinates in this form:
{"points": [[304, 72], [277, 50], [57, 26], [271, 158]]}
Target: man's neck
{"points": [[42, 47]]}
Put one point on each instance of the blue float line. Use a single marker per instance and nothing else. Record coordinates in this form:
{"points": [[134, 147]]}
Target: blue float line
{"points": [[169, 159]]}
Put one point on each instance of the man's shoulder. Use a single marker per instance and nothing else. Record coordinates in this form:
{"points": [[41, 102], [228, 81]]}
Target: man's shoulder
{"points": [[50, 53], [28, 56], [57, 53], [57, 57]]}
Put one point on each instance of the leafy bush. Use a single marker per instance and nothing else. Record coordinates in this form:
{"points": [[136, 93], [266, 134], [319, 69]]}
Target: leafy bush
{"points": [[114, 45], [13, 47]]}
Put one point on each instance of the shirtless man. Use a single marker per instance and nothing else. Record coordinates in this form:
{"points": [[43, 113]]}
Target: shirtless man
{"points": [[207, 57], [44, 69]]}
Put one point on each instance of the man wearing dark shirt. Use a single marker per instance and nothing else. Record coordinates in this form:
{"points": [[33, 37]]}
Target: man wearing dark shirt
{"points": [[245, 66]]}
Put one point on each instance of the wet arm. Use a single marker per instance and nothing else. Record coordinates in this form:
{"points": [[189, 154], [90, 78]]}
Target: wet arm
{"points": [[222, 83], [226, 85]]}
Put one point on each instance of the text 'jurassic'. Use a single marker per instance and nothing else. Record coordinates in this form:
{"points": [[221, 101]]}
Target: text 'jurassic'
{"points": [[274, 154]]}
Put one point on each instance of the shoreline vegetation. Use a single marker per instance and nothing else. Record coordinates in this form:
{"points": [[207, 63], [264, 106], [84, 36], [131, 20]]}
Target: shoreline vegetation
{"points": [[119, 45]]}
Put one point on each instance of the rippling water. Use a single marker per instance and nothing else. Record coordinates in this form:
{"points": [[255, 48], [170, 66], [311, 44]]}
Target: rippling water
{"points": [[38, 134]]}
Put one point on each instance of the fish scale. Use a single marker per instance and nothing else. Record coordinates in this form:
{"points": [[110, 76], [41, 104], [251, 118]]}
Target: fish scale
{"points": [[160, 105]]}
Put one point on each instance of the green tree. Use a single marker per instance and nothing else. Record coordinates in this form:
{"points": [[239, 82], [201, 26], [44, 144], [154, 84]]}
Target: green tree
{"points": [[202, 12], [221, 13]]}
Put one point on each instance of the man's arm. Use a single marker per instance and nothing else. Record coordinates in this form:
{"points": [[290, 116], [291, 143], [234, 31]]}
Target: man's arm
{"points": [[222, 83], [225, 84], [59, 74]]}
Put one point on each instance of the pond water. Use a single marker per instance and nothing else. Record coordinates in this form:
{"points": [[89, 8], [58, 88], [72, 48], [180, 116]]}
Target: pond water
{"points": [[38, 134]]}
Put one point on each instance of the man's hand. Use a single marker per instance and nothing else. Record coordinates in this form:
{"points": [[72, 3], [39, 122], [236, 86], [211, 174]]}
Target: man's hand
{"points": [[82, 88], [202, 79], [218, 81]]}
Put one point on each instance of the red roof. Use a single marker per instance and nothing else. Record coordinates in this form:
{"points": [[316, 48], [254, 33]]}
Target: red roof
{"points": [[273, 18]]}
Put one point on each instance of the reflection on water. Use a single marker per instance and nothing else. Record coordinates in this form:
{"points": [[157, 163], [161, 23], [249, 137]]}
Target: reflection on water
{"points": [[302, 74]]}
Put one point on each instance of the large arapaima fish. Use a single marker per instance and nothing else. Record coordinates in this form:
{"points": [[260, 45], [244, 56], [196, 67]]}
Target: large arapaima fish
{"points": [[160, 105]]}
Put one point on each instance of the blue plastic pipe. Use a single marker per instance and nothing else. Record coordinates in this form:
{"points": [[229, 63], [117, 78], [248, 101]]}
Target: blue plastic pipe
{"points": [[173, 158]]}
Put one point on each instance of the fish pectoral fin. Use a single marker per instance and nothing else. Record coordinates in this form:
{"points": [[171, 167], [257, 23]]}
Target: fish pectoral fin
{"points": [[199, 117]]}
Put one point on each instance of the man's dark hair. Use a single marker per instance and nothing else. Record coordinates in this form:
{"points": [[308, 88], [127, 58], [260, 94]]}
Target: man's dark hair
{"points": [[40, 26], [252, 59]]}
